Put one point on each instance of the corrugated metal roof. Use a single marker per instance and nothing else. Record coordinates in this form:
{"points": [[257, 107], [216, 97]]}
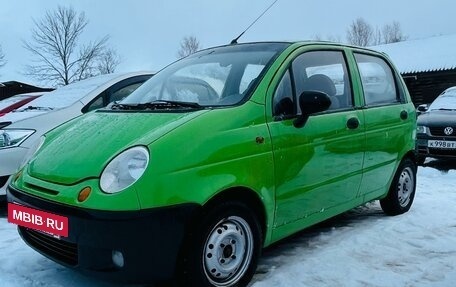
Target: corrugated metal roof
{"points": [[436, 53]]}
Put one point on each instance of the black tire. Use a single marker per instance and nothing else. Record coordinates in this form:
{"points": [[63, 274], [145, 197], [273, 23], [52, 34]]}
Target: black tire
{"points": [[402, 190], [223, 249]]}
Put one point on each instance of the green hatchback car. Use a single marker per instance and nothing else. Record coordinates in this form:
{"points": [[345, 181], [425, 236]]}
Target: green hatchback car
{"points": [[217, 156]]}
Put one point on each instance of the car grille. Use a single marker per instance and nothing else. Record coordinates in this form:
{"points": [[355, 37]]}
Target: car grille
{"points": [[59, 250], [444, 152], [439, 131]]}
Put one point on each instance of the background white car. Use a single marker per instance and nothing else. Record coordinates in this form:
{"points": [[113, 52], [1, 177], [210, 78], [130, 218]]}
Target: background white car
{"points": [[21, 130]]}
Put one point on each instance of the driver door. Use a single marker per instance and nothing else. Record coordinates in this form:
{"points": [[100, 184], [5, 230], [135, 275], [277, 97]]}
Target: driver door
{"points": [[318, 166]]}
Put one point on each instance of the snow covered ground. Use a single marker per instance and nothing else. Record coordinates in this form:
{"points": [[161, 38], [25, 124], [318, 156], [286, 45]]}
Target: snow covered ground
{"points": [[360, 248]]}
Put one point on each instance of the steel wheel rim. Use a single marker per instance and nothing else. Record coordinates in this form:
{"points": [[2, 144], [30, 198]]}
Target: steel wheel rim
{"points": [[228, 251], [405, 186]]}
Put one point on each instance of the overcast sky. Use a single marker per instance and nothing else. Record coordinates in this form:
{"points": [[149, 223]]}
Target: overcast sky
{"points": [[147, 33]]}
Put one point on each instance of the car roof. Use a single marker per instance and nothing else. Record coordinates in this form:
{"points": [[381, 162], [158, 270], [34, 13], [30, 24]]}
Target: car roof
{"points": [[450, 89], [297, 43]]}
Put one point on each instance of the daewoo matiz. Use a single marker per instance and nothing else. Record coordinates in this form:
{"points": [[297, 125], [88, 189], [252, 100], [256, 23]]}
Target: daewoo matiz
{"points": [[217, 156]]}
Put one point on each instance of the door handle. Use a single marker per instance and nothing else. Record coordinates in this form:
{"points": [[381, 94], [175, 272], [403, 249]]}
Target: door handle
{"points": [[404, 115], [353, 123]]}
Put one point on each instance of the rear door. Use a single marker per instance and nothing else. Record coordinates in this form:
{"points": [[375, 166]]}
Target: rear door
{"points": [[387, 121], [319, 165]]}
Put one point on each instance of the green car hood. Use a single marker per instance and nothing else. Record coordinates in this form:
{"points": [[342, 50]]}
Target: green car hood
{"points": [[81, 148]]}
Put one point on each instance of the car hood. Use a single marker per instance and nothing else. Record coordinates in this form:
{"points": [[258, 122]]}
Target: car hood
{"points": [[81, 148], [437, 118]]}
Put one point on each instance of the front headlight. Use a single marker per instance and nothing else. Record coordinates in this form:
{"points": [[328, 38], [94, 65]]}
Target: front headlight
{"points": [[13, 138], [421, 129], [124, 170]]}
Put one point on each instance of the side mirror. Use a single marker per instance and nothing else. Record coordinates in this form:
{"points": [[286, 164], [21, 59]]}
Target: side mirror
{"points": [[311, 102], [423, 108]]}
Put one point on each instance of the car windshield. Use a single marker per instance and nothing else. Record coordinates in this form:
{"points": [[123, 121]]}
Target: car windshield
{"points": [[446, 101], [68, 95], [220, 76]]}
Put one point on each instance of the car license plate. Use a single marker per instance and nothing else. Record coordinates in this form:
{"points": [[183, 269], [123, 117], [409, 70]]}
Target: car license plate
{"points": [[45, 222], [442, 144]]}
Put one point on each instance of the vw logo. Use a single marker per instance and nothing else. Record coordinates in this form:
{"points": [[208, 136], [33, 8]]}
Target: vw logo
{"points": [[448, 131]]}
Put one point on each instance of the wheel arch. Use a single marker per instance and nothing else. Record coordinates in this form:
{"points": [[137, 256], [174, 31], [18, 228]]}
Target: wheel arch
{"points": [[411, 154], [244, 195]]}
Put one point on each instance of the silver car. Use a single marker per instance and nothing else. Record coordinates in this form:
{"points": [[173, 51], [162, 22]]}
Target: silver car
{"points": [[21, 130]]}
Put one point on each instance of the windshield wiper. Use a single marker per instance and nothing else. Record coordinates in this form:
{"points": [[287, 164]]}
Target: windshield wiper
{"points": [[155, 105], [117, 106], [443, 109], [176, 103], [29, 108]]}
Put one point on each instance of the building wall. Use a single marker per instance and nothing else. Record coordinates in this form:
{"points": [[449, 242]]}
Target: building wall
{"points": [[425, 87]]}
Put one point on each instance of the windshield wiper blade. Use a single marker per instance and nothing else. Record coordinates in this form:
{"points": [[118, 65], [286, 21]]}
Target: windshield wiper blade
{"points": [[36, 108], [156, 105], [118, 106], [176, 103]]}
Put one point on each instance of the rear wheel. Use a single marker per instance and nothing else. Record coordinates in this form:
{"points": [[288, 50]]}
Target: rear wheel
{"points": [[224, 248], [402, 190]]}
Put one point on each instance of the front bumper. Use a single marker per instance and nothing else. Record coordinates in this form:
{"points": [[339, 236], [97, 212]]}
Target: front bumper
{"points": [[149, 240], [11, 160], [4, 180]]}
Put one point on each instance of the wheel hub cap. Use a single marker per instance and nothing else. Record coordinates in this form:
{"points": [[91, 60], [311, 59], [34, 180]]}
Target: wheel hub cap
{"points": [[405, 186], [228, 251]]}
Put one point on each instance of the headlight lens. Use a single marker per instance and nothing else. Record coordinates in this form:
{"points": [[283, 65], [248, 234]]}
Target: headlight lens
{"points": [[124, 170], [12, 138], [421, 129]]}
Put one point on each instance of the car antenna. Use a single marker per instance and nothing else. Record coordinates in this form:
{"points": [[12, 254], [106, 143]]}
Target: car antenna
{"points": [[234, 41]]}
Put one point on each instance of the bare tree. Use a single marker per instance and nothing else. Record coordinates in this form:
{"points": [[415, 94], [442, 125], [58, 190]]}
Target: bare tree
{"points": [[59, 57], [392, 33], [108, 62], [360, 33], [188, 46], [334, 38], [2, 58], [331, 38], [377, 37]]}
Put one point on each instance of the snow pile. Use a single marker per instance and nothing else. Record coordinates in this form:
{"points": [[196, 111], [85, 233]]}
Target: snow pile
{"points": [[366, 248], [360, 248]]}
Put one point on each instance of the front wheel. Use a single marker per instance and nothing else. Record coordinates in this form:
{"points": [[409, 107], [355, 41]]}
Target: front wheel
{"points": [[224, 248], [402, 190]]}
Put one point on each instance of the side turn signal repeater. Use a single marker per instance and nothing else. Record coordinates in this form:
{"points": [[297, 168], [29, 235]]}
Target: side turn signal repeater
{"points": [[84, 194]]}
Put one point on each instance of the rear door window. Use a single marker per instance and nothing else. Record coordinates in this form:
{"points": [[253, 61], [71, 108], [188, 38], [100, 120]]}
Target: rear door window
{"points": [[378, 81]]}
